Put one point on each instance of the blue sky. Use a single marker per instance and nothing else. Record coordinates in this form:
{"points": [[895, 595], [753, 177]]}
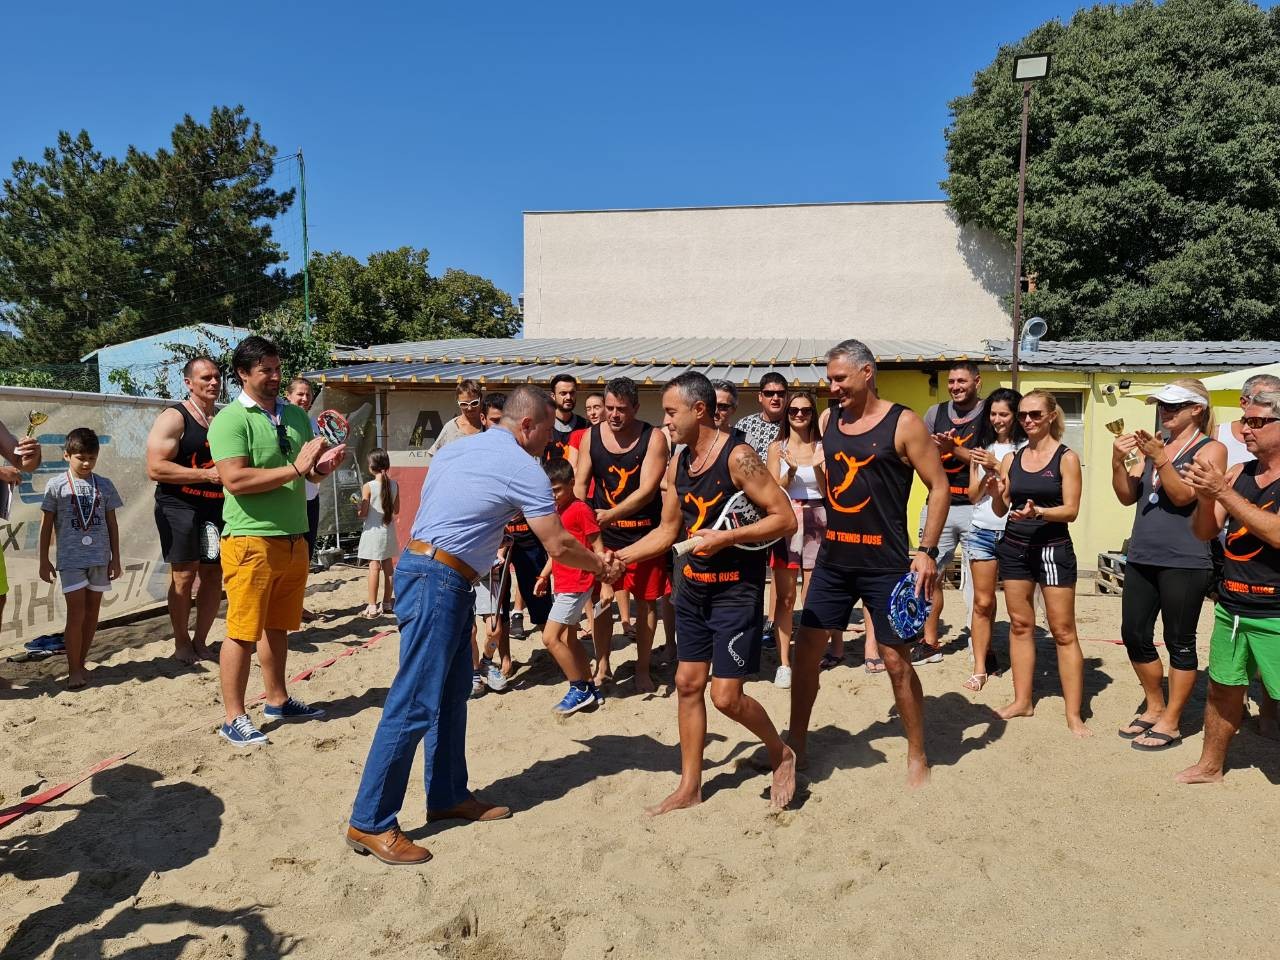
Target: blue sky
{"points": [[435, 124]]}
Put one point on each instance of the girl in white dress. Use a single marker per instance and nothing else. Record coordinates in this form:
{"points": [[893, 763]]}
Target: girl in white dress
{"points": [[378, 506]]}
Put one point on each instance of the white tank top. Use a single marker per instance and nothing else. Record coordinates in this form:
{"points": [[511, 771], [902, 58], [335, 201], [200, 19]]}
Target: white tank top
{"points": [[804, 485], [373, 519], [984, 518]]}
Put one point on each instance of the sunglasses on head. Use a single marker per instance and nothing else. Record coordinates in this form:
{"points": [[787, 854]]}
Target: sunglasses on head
{"points": [[773, 394], [1032, 415], [1257, 423], [468, 404], [799, 411], [282, 438]]}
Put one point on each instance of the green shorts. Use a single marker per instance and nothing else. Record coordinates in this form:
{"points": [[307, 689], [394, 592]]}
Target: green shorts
{"points": [[1244, 647], [4, 577]]}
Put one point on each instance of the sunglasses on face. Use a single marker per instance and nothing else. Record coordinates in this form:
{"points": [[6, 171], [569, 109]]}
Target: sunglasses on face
{"points": [[468, 404], [1033, 415], [282, 438], [799, 411], [1257, 423], [773, 394], [1171, 407], [724, 406]]}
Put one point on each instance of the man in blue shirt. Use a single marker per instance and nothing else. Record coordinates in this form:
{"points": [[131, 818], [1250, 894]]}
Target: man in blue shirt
{"points": [[475, 486]]}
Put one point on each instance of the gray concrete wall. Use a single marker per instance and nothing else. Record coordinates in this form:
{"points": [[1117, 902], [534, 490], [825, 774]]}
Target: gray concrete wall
{"points": [[828, 270]]}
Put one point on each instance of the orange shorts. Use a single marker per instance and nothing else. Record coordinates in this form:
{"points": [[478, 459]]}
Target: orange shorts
{"points": [[265, 578], [647, 580]]}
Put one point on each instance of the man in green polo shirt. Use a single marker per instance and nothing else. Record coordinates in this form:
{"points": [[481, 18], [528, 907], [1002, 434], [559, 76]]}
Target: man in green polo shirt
{"points": [[264, 450]]}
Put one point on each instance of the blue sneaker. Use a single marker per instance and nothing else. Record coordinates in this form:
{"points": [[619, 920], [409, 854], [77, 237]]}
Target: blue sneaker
{"points": [[493, 677], [576, 699], [292, 709], [597, 694], [767, 638], [241, 732], [49, 643]]}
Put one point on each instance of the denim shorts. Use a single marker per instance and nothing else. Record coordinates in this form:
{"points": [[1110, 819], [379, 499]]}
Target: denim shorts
{"points": [[980, 544]]}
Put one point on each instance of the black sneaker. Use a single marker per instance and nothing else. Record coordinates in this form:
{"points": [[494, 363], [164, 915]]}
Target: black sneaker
{"points": [[517, 626], [768, 639], [922, 653]]}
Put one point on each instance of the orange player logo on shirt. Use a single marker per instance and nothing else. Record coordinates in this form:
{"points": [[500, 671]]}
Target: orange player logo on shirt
{"points": [[623, 476], [960, 442], [852, 466], [703, 506], [1243, 532]]}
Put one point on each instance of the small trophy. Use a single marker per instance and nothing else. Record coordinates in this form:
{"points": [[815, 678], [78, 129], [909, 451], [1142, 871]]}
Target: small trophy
{"points": [[34, 419], [1117, 428]]}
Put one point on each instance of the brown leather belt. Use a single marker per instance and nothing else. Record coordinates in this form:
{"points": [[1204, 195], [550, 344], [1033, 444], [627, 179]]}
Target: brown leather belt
{"points": [[445, 557]]}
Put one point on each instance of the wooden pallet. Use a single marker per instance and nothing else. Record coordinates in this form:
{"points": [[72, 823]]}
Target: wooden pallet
{"points": [[1110, 574]]}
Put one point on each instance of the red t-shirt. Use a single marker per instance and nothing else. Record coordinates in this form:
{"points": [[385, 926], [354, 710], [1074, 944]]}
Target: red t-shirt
{"points": [[580, 520], [575, 441]]}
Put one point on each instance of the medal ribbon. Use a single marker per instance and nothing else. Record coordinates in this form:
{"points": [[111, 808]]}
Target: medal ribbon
{"points": [[78, 499]]}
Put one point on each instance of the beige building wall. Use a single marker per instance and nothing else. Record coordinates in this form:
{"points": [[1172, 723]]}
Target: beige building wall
{"points": [[874, 270]]}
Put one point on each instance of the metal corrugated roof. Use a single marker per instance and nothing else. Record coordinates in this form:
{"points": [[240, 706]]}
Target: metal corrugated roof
{"points": [[1136, 354], [573, 352], [416, 372]]}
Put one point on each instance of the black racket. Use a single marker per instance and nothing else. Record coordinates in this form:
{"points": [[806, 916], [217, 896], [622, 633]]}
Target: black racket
{"points": [[738, 512]]}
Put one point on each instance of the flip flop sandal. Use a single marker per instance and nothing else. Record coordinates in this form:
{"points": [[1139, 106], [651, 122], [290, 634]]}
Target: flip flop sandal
{"points": [[975, 682], [873, 662], [1136, 722], [828, 662], [1167, 740]]}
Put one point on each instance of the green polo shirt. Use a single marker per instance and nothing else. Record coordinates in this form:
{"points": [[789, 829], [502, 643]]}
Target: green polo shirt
{"points": [[243, 429]]}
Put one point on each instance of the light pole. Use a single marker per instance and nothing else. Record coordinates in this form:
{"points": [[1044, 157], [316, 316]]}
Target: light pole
{"points": [[1026, 69]]}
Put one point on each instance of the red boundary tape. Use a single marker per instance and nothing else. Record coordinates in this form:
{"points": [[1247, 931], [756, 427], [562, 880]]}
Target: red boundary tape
{"points": [[10, 814]]}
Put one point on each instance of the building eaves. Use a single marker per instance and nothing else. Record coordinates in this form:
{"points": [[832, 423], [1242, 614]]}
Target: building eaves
{"points": [[1141, 354]]}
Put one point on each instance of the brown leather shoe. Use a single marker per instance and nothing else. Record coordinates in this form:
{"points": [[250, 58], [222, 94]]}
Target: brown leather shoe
{"points": [[473, 808], [390, 846]]}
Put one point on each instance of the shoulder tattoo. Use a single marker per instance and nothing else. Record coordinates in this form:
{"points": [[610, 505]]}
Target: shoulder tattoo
{"points": [[749, 464]]}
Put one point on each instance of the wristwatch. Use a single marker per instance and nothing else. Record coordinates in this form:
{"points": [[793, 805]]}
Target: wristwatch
{"points": [[930, 552]]}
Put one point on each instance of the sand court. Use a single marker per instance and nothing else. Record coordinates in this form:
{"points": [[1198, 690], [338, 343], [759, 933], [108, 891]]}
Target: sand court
{"points": [[1028, 842]]}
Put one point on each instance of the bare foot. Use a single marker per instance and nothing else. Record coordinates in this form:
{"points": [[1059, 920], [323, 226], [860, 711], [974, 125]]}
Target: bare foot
{"points": [[1197, 774], [1015, 709], [185, 652], [77, 681], [917, 773], [783, 787], [1079, 728], [204, 653], [680, 800], [644, 683]]}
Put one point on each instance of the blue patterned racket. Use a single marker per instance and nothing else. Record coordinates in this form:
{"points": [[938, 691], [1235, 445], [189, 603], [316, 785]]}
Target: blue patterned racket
{"points": [[907, 612]]}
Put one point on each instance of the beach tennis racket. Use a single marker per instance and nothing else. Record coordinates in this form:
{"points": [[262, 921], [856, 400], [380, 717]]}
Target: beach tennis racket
{"points": [[738, 511], [498, 581], [907, 611], [210, 542], [333, 427]]}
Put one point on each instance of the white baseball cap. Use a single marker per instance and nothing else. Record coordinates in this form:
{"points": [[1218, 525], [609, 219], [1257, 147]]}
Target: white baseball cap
{"points": [[1174, 394]]}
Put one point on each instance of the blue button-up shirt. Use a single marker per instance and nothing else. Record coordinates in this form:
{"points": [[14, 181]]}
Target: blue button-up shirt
{"points": [[476, 485]]}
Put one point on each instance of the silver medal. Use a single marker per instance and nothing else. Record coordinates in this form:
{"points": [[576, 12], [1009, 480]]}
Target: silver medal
{"points": [[87, 540], [1154, 498]]}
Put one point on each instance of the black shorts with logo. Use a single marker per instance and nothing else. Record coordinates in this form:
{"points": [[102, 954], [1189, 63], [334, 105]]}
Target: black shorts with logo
{"points": [[1048, 564], [181, 528], [727, 637], [832, 594]]}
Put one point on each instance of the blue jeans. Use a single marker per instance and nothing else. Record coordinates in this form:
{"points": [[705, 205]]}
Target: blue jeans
{"points": [[428, 698]]}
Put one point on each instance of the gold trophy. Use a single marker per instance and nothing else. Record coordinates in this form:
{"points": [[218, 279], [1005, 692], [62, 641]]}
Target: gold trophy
{"points": [[34, 419], [1117, 428]]}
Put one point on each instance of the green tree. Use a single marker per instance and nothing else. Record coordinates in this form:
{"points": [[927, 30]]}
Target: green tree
{"points": [[1153, 182], [97, 250], [393, 297]]}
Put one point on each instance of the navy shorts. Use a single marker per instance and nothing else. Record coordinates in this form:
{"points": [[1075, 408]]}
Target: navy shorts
{"points": [[1048, 564], [832, 594], [727, 637]]}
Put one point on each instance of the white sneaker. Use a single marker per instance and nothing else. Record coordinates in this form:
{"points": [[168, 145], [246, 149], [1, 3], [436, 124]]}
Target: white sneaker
{"points": [[782, 679]]}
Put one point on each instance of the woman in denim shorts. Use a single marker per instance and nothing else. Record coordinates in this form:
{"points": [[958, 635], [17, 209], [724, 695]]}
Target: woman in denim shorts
{"points": [[999, 433]]}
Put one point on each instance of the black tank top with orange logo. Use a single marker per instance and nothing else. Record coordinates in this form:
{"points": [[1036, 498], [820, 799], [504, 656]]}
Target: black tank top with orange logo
{"points": [[193, 452], [1042, 487], [617, 476], [1251, 567], [957, 469], [733, 576], [866, 497]]}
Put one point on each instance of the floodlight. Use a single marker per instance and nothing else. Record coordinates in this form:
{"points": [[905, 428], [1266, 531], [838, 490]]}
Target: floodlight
{"points": [[1032, 66]]}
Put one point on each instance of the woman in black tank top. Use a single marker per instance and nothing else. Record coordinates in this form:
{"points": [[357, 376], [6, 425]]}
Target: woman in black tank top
{"points": [[1039, 490]]}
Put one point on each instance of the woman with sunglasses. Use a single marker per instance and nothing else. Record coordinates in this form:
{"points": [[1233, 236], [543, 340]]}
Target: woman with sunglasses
{"points": [[1168, 568], [999, 434], [795, 459], [469, 421], [1039, 491]]}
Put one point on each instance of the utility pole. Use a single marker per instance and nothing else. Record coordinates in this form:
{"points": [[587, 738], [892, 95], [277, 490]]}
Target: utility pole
{"points": [[306, 250], [1017, 250]]}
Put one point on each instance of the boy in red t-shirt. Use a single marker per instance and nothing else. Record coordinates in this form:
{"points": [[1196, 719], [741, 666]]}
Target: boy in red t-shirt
{"points": [[572, 593]]}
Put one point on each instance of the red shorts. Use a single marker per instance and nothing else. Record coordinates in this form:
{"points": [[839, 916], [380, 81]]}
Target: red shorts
{"points": [[646, 580]]}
